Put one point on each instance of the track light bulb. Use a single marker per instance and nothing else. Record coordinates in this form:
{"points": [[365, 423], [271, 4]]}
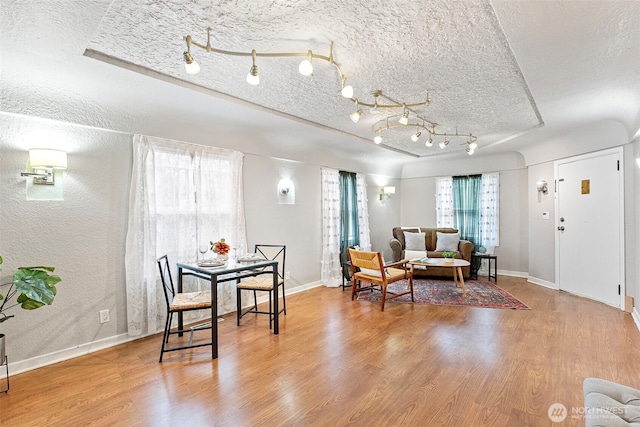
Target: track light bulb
{"points": [[377, 139], [469, 150], [305, 68], [253, 78], [442, 145], [404, 120], [347, 91], [429, 143], [190, 65], [415, 136], [355, 116], [473, 145]]}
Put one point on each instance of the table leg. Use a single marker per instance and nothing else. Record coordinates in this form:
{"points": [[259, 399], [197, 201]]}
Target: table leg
{"points": [[455, 280], [214, 316], [276, 323], [180, 317], [464, 289]]}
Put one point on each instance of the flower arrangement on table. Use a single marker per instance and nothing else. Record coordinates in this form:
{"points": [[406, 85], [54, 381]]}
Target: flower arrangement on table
{"points": [[220, 247]]}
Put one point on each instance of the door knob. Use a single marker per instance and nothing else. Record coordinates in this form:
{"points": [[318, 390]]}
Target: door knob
{"points": [[561, 228]]}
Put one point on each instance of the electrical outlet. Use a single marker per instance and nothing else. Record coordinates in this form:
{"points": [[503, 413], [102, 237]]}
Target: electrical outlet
{"points": [[287, 275], [104, 316]]}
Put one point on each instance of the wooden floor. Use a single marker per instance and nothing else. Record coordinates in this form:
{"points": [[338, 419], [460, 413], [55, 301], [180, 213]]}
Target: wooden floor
{"points": [[338, 362]]}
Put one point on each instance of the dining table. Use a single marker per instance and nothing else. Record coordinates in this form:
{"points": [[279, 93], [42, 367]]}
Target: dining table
{"points": [[231, 270]]}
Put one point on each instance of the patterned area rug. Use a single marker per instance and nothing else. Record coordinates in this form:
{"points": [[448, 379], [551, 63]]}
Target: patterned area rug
{"points": [[444, 292]]}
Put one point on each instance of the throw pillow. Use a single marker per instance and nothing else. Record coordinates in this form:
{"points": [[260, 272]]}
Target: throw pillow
{"points": [[447, 242], [414, 242], [369, 272]]}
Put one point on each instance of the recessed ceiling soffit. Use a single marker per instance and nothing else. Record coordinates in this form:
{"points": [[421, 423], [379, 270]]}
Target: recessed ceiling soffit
{"points": [[453, 54]]}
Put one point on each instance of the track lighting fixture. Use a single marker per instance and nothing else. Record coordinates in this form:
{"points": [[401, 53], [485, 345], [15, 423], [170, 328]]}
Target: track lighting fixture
{"points": [[305, 67], [253, 78], [190, 65], [404, 120], [416, 135], [347, 91], [381, 103], [355, 116]]}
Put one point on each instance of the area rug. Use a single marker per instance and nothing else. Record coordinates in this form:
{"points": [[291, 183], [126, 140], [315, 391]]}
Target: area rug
{"points": [[444, 292]]}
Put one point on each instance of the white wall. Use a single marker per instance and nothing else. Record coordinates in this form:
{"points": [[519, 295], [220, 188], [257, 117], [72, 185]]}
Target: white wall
{"points": [[542, 264], [82, 236]]}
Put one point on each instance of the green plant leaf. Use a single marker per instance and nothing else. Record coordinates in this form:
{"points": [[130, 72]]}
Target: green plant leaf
{"points": [[27, 303], [35, 284]]}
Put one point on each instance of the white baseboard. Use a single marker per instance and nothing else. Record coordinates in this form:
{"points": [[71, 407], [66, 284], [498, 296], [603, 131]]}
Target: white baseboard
{"points": [[83, 349], [513, 273], [636, 316], [66, 354], [541, 282]]}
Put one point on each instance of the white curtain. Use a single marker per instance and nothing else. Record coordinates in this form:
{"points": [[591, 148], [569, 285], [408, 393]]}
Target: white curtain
{"points": [[181, 195], [331, 272], [363, 213], [444, 202], [490, 211]]}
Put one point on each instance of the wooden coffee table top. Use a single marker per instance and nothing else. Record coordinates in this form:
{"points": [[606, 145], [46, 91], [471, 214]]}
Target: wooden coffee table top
{"points": [[440, 262]]}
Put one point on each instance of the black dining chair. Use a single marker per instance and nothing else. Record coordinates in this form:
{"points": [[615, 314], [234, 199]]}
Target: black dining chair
{"points": [[264, 283], [180, 303]]}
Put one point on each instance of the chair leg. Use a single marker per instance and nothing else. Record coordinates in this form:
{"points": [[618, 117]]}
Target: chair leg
{"points": [[255, 301], [271, 310], [238, 305], [165, 336], [284, 301], [384, 295], [353, 288]]}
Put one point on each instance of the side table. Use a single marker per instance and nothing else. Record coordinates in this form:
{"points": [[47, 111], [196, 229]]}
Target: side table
{"points": [[476, 262]]}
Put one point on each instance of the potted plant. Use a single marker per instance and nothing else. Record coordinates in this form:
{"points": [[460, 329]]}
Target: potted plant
{"points": [[448, 257], [36, 287]]}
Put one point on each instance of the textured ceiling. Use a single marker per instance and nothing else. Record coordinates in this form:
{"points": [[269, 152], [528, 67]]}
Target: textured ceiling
{"points": [[455, 51]]}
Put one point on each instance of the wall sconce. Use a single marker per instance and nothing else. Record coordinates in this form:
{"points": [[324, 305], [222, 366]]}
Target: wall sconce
{"points": [[386, 192], [541, 186], [286, 192], [43, 161]]}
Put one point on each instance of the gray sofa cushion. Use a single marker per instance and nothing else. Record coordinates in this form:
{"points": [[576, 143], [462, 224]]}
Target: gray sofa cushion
{"points": [[608, 404]]}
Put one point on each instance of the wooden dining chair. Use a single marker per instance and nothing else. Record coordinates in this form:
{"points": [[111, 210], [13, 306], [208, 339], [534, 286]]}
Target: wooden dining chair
{"points": [[368, 267], [180, 303], [264, 283]]}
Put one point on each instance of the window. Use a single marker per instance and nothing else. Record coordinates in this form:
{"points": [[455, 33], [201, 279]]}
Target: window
{"points": [[181, 195], [470, 204], [345, 221]]}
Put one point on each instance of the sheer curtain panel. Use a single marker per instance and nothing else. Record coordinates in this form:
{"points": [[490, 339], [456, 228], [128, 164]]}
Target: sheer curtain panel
{"points": [[330, 272], [490, 211], [181, 195], [444, 202]]}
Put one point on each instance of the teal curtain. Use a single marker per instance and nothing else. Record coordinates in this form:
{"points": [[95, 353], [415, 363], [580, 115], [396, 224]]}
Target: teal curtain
{"points": [[349, 232], [466, 205]]}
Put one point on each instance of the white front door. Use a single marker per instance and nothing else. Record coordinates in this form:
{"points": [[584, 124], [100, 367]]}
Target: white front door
{"points": [[589, 226]]}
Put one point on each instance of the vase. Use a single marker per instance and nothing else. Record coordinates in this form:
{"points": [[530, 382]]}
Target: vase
{"points": [[222, 257], [449, 260], [2, 348]]}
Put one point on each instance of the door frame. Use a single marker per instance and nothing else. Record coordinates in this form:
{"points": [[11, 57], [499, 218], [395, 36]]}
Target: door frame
{"points": [[621, 264]]}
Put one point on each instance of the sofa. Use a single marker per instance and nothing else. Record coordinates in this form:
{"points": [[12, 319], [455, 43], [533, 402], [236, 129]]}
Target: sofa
{"points": [[610, 404], [400, 251]]}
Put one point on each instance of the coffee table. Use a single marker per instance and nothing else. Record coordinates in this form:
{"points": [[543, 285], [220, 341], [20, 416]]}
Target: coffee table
{"points": [[456, 266]]}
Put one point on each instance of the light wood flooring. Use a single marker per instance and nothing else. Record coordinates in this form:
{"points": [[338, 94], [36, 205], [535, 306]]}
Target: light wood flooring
{"points": [[338, 362]]}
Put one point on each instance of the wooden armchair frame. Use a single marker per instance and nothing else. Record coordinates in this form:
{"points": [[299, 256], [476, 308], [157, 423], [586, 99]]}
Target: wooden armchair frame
{"points": [[369, 267]]}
